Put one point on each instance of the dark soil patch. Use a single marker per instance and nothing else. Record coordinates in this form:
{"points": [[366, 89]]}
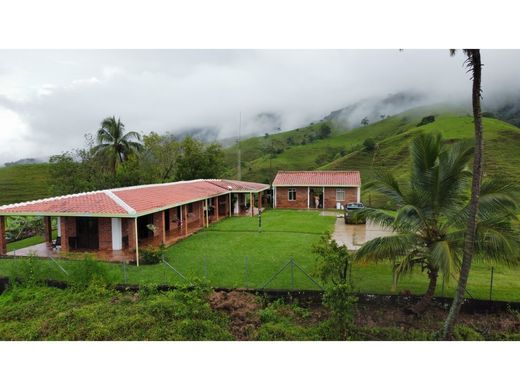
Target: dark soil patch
{"points": [[241, 308]]}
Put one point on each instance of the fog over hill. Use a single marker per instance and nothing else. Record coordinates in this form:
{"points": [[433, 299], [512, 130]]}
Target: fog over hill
{"points": [[50, 98]]}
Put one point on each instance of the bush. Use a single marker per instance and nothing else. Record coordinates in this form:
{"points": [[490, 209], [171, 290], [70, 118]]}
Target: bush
{"points": [[341, 303], [426, 120], [369, 144], [465, 333], [151, 255], [90, 272]]}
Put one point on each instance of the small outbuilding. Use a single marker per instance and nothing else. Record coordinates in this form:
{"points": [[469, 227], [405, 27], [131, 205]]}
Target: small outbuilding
{"points": [[316, 189]]}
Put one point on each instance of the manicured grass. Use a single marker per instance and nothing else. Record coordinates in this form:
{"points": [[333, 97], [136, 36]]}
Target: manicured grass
{"points": [[13, 246], [234, 253]]}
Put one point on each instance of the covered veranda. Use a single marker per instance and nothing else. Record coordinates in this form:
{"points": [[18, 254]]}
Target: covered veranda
{"points": [[113, 225]]}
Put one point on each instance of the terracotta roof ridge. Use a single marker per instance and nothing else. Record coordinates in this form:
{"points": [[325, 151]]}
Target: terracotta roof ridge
{"points": [[119, 201], [35, 201]]}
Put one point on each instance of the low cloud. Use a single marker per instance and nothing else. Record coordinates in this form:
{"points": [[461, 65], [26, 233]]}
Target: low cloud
{"points": [[50, 99]]}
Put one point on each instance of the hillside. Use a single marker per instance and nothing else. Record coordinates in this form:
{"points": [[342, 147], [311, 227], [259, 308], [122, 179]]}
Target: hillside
{"points": [[344, 150], [20, 183]]}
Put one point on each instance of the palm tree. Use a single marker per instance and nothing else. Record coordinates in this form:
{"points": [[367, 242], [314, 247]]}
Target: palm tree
{"points": [[474, 64], [432, 212], [114, 144]]}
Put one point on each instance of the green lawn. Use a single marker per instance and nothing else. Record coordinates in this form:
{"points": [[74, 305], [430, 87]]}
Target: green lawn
{"points": [[13, 246], [234, 253]]}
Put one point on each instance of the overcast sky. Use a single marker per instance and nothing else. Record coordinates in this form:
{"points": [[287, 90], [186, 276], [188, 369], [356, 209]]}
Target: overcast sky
{"points": [[50, 99]]}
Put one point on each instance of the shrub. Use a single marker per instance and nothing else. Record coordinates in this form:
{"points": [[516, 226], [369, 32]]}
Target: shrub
{"points": [[152, 255], [465, 333], [341, 304], [426, 120], [90, 272], [369, 144]]}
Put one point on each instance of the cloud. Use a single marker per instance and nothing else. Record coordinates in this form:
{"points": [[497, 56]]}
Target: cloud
{"points": [[51, 98]]}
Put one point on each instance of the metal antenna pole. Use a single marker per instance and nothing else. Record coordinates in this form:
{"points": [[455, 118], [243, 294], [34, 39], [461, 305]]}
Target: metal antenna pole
{"points": [[239, 167]]}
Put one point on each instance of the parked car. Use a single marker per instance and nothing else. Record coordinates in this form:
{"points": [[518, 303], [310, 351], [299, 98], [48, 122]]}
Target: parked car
{"points": [[351, 213]]}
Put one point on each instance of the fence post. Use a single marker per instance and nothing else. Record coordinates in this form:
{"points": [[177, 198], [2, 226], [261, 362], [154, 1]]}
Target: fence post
{"points": [[491, 283], [292, 273]]}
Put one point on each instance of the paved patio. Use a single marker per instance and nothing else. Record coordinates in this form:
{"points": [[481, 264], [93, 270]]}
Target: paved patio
{"points": [[353, 236]]}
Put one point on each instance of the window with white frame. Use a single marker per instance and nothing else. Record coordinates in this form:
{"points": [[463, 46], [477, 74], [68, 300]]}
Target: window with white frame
{"points": [[292, 194], [340, 194]]}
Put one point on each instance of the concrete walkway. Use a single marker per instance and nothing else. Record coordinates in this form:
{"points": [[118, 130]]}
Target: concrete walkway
{"points": [[353, 236]]}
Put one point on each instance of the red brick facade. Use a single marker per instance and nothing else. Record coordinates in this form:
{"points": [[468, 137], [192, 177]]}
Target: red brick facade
{"points": [[129, 229], [105, 233], [3, 239], [47, 229], [282, 198], [330, 197], [301, 202]]}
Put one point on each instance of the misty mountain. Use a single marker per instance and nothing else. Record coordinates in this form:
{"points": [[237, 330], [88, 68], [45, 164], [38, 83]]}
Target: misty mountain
{"points": [[204, 134], [376, 109], [23, 161]]}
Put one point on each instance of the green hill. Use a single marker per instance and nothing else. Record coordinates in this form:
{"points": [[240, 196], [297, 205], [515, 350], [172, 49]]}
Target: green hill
{"points": [[344, 150], [19, 183]]}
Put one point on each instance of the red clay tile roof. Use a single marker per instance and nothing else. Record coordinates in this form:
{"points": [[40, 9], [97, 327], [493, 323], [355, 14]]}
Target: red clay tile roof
{"points": [[317, 178], [237, 185], [131, 200]]}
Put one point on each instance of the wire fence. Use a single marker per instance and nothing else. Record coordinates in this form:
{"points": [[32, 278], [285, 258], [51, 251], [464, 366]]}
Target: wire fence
{"points": [[261, 272]]}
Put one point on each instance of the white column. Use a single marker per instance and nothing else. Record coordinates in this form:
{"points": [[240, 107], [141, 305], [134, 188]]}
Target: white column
{"points": [[117, 234], [308, 197], [274, 197], [323, 192], [58, 221], [359, 194]]}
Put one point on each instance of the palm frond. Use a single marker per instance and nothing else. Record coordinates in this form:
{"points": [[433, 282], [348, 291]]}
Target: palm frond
{"points": [[387, 248]]}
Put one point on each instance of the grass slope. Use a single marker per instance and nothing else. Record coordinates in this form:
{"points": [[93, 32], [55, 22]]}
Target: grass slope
{"points": [[19, 183], [344, 149]]}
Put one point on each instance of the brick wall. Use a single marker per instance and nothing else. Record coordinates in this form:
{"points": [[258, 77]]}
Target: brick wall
{"points": [[158, 221], [130, 230], [330, 196], [47, 229], [105, 233], [68, 229], [3, 239], [282, 198]]}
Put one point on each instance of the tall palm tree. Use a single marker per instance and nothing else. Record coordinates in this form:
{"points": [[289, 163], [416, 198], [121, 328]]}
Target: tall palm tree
{"points": [[474, 64], [432, 211], [114, 143]]}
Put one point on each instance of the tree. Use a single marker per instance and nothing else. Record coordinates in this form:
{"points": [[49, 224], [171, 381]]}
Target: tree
{"points": [[114, 144], [325, 131], [474, 64], [365, 121], [199, 161], [369, 144], [431, 215], [159, 158]]}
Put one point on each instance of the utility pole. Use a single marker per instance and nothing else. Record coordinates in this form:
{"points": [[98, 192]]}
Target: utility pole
{"points": [[239, 156]]}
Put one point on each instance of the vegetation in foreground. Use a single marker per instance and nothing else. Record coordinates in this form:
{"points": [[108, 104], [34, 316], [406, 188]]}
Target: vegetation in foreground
{"points": [[95, 312]]}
